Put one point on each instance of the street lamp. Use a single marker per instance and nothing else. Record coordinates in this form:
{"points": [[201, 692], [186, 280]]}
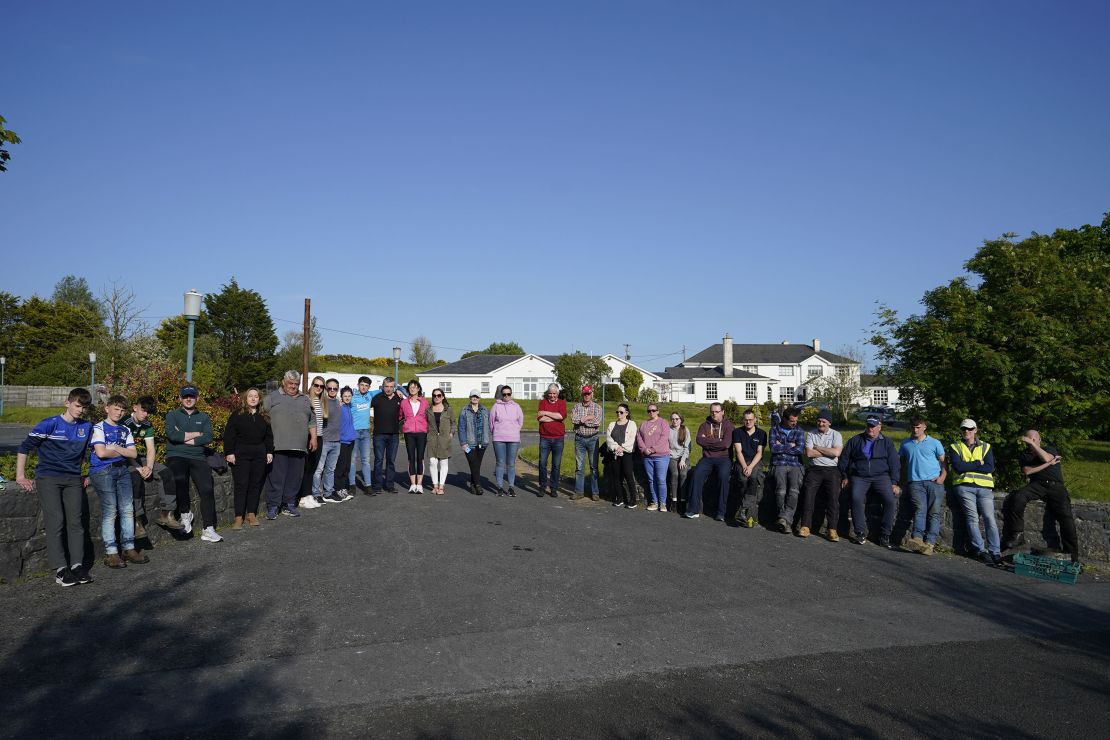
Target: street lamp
{"points": [[3, 361], [605, 380], [92, 375], [192, 313], [397, 365]]}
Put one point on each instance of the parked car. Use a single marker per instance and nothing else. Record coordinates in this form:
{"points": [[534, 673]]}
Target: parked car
{"points": [[885, 413]]}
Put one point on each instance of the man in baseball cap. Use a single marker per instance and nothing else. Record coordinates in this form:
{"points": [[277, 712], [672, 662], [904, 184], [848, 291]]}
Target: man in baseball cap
{"points": [[585, 417]]}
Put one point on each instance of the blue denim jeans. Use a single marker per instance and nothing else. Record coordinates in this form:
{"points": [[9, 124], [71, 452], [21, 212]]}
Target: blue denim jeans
{"points": [[323, 480], [385, 453], [584, 446], [113, 488], [976, 501], [656, 468], [927, 496], [788, 483], [701, 473], [362, 445], [554, 448], [506, 462], [880, 485]]}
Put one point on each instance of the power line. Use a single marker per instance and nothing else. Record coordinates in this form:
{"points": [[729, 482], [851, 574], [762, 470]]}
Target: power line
{"points": [[371, 336]]}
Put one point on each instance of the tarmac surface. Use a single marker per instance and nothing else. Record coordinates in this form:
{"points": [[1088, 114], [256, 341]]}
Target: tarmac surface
{"points": [[461, 616]]}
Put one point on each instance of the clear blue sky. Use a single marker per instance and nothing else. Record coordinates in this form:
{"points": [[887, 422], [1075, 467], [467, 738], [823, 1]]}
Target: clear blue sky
{"points": [[479, 171]]}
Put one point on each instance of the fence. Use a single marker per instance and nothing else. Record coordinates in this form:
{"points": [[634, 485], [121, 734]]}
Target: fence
{"points": [[41, 396]]}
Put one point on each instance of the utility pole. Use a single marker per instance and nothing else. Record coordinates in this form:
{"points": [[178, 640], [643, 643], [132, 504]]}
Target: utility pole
{"points": [[684, 354], [305, 343], [627, 352]]}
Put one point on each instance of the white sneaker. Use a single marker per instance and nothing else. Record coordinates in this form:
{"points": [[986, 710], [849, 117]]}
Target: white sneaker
{"points": [[308, 503], [420, 489], [663, 508], [187, 522], [209, 535], [346, 496], [653, 506]]}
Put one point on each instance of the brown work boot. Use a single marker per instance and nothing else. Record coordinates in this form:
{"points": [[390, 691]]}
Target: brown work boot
{"points": [[140, 530], [914, 544], [114, 561], [252, 520], [927, 548], [134, 556], [803, 531], [833, 536], [167, 520], [238, 523]]}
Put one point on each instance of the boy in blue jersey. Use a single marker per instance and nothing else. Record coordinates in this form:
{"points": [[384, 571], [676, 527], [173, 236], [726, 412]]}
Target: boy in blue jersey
{"points": [[61, 442], [112, 446]]}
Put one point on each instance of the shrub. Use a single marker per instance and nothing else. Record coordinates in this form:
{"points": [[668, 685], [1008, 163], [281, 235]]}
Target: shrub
{"points": [[613, 392], [808, 417], [648, 395]]}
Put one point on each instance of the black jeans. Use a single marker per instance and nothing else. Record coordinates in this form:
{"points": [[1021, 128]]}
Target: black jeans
{"points": [[474, 458], [1056, 500], [751, 489], [624, 481], [284, 482], [168, 500], [197, 469], [249, 473], [343, 464], [311, 460], [415, 444], [62, 499], [821, 478]]}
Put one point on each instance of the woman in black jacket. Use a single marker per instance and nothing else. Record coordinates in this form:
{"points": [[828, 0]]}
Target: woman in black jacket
{"points": [[248, 448]]}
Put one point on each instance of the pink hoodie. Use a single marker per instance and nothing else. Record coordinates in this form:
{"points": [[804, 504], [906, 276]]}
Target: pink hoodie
{"points": [[414, 423], [505, 421], [655, 438]]}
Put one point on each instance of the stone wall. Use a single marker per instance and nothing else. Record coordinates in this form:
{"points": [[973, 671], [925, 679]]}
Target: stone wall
{"points": [[41, 396], [23, 543]]}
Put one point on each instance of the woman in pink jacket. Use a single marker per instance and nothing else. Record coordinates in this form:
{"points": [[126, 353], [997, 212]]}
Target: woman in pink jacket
{"points": [[414, 423], [505, 421], [653, 440]]}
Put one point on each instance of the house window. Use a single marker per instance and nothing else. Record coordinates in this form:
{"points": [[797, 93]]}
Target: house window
{"points": [[445, 386], [769, 392], [814, 371], [786, 371], [485, 387], [711, 391], [750, 392], [843, 371], [530, 388], [880, 396], [754, 369], [786, 394]]}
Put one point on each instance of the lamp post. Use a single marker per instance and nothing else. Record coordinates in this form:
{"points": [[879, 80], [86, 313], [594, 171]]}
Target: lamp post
{"points": [[92, 375], [397, 365], [3, 361], [605, 380], [192, 313]]}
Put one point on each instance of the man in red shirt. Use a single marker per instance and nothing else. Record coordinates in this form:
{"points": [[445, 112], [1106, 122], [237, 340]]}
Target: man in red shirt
{"points": [[552, 414]]}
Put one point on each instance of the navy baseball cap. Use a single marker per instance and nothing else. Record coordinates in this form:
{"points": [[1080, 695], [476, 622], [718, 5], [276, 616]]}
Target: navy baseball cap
{"points": [[189, 390], [823, 414], [873, 421]]}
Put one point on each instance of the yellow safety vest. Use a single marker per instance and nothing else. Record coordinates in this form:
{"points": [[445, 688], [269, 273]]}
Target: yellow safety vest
{"points": [[985, 480]]}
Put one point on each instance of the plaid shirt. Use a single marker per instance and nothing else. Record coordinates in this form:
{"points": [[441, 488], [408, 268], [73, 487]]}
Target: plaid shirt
{"points": [[586, 419], [781, 452]]}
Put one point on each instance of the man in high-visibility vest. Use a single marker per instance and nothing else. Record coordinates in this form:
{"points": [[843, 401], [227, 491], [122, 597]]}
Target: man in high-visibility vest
{"points": [[972, 462], [1041, 465]]}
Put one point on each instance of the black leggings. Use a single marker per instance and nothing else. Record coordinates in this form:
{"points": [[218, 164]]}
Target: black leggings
{"points": [[185, 468], [343, 465], [415, 444], [474, 457], [624, 480], [249, 473], [311, 460]]}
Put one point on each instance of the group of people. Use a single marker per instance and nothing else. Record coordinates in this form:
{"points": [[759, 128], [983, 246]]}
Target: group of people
{"points": [[300, 447]]}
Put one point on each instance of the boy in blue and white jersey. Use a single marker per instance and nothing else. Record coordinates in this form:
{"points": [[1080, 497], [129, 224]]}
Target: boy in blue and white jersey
{"points": [[61, 442], [112, 446]]}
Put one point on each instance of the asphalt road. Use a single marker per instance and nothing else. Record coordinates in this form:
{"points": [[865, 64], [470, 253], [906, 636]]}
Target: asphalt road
{"points": [[463, 616]]}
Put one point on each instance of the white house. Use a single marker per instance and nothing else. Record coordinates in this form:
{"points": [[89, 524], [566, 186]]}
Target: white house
{"points": [[752, 373], [528, 375], [880, 391], [350, 379]]}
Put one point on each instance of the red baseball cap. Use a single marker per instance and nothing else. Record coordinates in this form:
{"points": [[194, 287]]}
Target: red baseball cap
{"points": [[587, 389]]}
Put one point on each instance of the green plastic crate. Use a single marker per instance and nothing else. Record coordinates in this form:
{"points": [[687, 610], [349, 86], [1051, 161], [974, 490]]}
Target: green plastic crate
{"points": [[1046, 568]]}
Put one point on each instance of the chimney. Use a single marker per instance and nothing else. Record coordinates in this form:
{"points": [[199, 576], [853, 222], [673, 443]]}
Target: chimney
{"points": [[816, 345], [728, 355]]}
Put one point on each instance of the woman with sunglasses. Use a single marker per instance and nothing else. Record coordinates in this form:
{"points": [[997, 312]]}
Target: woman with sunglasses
{"points": [[620, 440], [653, 441], [311, 498], [441, 433], [414, 423], [474, 437], [505, 422], [678, 442], [323, 480]]}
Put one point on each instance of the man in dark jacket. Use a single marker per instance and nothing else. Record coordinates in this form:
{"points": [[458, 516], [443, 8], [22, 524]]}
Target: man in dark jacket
{"points": [[870, 462], [387, 428], [715, 437]]}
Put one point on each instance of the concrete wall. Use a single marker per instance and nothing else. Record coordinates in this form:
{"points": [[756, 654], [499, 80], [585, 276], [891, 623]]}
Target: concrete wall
{"points": [[40, 396]]}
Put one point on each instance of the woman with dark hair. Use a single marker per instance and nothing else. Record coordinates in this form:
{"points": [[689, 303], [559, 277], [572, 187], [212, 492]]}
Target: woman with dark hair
{"points": [[505, 422], [679, 443], [248, 449], [474, 436], [441, 433], [620, 439], [414, 423]]}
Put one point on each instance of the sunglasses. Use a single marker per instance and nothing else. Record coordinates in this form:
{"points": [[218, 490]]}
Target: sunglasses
{"points": [[621, 411], [317, 385], [506, 395], [437, 395], [653, 411]]}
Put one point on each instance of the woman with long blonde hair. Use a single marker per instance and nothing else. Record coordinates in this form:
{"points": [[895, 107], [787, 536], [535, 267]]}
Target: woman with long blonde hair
{"points": [[316, 397], [248, 449]]}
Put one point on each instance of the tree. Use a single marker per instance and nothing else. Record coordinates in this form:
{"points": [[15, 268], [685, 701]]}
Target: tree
{"points": [[44, 328], [241, 325], [7, 136], [122, 318], [631, 379], [1027, 347], [74, 291], [573, 370], [496, 348], [839, 391], [9, 323], [291, 354], [422, 352]]}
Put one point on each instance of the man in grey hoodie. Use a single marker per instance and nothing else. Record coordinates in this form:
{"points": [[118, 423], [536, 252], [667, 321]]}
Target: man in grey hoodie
{"points": [[294, 427]]}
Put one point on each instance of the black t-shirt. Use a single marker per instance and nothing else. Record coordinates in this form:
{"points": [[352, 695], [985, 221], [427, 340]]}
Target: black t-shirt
{"points": [[749, 443], [387, 413], [1051, 474]]}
